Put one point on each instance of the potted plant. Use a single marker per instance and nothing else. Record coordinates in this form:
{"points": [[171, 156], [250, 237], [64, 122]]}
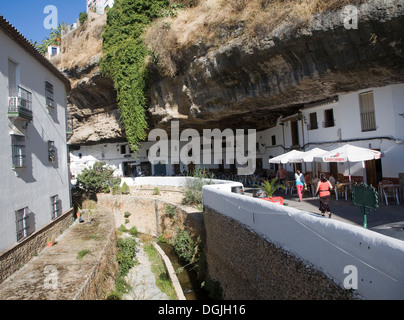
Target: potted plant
{"points": [[50, 241], [269, 187]]}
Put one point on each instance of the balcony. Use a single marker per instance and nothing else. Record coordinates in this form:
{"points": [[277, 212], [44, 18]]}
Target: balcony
{"points": [[20, 104], [69, 127]]}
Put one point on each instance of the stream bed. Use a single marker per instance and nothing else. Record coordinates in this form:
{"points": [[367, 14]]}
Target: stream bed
{"points": [[190, 284]]}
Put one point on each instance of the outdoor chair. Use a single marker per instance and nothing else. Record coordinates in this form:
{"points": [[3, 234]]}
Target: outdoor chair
{"points": [[390, 192], [289, 186], [341, 189], [380, 188]]}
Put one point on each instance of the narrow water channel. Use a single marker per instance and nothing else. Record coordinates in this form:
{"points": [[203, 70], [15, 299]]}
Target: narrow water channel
{"points": [[191, 286]]}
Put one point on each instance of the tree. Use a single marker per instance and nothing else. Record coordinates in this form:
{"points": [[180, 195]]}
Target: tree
{"points": [[99, 178], [56, 35], [83, 16]]}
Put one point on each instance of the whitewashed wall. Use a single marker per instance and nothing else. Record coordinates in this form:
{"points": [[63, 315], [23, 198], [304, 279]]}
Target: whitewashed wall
{"points": [[33, 185], [326, 244], [389, 103]]}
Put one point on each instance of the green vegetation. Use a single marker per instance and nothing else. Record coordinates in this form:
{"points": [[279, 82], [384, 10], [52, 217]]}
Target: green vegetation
{"points": [[83, 16], [82, 253], [126, 255], [99, 178], [125, 61], [269, 187], [126, 259], [170, 210], [185, 247], [125, 188], [158, 268], [156, 191], [193, 187]]}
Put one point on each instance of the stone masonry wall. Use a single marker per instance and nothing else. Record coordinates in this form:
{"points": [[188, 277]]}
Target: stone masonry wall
{"points": [[102, 277], [148, 212], [248, 267], [19, 254]]}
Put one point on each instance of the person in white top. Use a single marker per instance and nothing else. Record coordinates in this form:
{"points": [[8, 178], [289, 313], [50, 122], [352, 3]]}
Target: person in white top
{"points": [[300, 183]]}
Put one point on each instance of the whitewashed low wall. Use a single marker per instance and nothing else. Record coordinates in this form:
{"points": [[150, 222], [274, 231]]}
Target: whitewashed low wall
{"points": [[326, 244], [176, 182]]}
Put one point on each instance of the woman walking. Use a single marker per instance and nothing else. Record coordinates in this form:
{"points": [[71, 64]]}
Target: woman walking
{"points": [[299, 178], [323, 189]]}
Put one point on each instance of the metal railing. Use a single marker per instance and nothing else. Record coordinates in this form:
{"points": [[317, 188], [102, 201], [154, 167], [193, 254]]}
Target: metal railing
{"points": [[18, 151], [20, 102]]}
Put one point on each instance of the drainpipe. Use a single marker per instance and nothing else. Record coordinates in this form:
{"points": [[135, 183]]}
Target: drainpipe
{"points": [[283, 134]]}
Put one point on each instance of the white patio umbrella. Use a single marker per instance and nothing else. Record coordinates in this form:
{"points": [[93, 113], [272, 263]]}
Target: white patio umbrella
{"points": [[308, 156], [349, 153], [285, 158]]}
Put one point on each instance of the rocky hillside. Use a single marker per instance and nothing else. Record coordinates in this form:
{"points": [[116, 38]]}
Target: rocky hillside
{"points": [[239, 76], [92, 101], [248, 81]]}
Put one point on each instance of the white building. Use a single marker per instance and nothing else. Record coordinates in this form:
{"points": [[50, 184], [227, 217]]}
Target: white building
{"points": [[99, 6], [53, 50], [371, 118], [34, 168]]}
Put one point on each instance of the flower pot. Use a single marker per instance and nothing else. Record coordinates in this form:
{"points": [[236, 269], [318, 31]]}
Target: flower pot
{"points": [[278, 200]]}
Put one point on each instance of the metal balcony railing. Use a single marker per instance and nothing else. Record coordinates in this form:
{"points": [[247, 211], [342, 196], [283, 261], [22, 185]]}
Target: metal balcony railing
{"points": [[69, 127], [312, 126], [20, 104]]}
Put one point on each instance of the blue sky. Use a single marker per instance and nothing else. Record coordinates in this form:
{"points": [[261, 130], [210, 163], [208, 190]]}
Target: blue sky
{"points": [[28, 16]]}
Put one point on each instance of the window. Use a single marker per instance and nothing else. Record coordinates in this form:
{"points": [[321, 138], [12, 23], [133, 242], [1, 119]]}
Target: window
{"points": [[13, 78], [18, 151], [49, 95], [367, 111], [25, 223], [273, 138], [123, 149], [55, 207], [313, 121], [51, 151], [328, 118], [294, 132]]}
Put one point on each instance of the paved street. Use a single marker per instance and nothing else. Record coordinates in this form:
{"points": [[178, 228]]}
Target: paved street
{"points": [[345, 210]]}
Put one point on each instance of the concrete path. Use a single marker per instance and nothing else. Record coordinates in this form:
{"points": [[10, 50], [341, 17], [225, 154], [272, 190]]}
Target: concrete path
{"points": [[63, 271], [58, 274], [142, 280]]}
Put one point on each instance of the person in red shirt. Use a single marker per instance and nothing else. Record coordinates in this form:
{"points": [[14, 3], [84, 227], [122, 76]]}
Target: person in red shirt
{"points": [[323, 190]]}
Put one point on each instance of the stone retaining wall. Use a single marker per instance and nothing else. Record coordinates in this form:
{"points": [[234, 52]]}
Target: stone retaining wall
{"points": [[149, 215], [101, 280], [249, 268], [15, 257]]}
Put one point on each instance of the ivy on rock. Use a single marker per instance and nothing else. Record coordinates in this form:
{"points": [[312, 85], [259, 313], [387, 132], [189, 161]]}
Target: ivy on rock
{"points": [[125, 61]]}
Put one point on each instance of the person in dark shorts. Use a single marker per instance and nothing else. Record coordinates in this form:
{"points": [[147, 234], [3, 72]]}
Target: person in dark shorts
{"points": [[323, 190]]}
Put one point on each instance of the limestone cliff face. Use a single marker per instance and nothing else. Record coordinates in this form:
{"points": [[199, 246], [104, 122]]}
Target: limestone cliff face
{"points": [[92, 102], [249, 85], [245, 84]]}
